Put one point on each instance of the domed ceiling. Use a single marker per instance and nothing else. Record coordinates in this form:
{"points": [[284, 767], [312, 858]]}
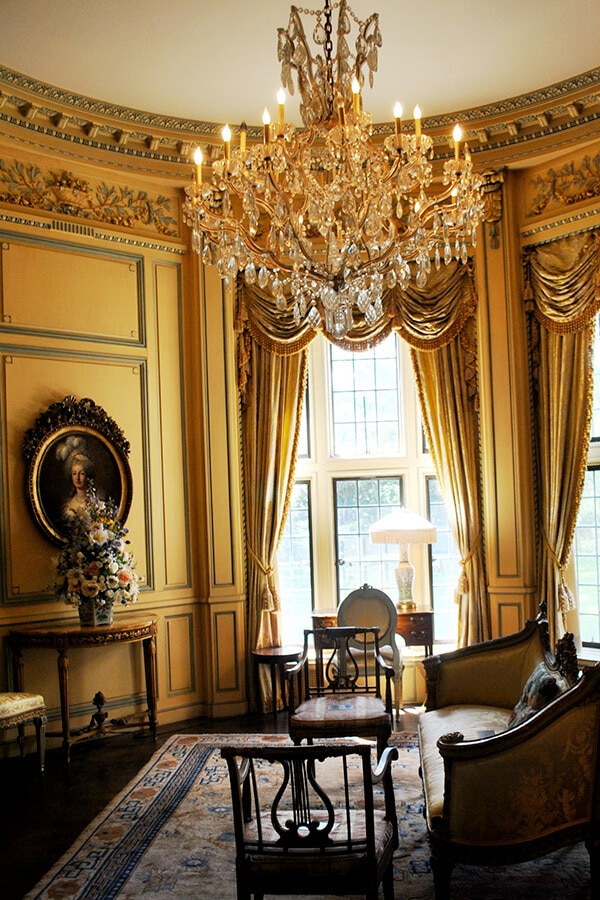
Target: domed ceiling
{"points": [[217, 61]]}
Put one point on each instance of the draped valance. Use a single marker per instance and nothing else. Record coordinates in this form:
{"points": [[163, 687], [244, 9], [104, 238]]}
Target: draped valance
{"points": [[562, 282], [426, 318]]}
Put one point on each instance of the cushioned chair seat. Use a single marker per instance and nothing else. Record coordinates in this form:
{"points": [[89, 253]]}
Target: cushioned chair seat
{"points": [[327, 714], [18, 709], [18, 704]]}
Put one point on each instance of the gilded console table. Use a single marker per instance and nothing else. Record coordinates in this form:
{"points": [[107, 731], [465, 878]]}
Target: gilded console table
{"points": [[62, 638]]}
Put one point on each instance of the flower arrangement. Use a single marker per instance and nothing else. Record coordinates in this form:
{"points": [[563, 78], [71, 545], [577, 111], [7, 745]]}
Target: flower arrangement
{"points": [[95, 565]]}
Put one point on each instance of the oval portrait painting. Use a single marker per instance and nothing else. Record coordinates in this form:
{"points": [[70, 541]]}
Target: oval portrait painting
{"points": [[69, 463]]}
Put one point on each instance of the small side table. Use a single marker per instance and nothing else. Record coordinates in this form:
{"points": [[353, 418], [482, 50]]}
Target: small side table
{"points": [[277, 659], [416, 627]]}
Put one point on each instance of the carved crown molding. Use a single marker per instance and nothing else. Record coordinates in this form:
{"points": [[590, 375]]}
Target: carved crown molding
{"points": [[516, 127]]}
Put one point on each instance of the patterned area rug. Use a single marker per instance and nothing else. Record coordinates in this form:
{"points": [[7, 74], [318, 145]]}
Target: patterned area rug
{"points": [[169, 834]]}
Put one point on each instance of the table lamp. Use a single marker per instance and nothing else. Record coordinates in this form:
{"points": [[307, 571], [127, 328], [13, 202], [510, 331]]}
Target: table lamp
{"points": [[403, 527]]}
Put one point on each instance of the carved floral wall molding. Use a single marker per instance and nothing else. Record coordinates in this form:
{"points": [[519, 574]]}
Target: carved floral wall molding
{"points": [[66, 194], [572, 183]]}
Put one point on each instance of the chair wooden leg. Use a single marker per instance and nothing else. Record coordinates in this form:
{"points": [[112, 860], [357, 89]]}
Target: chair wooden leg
{"points": [[40, 733], [387, 882], [442, 872], [21, 739]]}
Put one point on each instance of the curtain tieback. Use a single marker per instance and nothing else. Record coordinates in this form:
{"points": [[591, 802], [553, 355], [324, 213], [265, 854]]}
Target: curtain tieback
{"points": [[463, 581], [566, 600], [269, 597]]}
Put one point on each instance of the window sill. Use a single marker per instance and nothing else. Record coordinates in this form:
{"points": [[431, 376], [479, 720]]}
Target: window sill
{"points": [[589, 656]]}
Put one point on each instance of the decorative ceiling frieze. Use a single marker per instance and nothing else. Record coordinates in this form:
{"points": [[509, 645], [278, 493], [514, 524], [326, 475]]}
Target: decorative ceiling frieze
{"points": [[496, 133], [63, 193], [571, 183]]}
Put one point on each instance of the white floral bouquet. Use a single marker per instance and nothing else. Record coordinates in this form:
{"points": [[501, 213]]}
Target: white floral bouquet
{"points": [[95, 564]]}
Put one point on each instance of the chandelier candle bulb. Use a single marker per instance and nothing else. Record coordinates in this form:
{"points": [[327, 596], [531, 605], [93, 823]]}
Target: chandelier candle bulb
{"points": [[398, 118], [281, 106], [356, 96], [266, 125], [226, 135], [198, 165], [417, 117], [457, 135], [243, 131]]}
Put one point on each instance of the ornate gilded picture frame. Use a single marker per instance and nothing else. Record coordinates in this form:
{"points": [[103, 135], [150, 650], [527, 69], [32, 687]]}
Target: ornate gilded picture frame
{"points": [[73, 446]]}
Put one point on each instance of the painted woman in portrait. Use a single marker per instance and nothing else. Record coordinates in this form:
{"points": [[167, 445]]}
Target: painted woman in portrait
{"points": [[80, 473]]}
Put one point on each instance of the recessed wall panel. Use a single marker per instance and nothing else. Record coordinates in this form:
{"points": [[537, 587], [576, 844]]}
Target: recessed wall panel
{"points": [[172, 426], [180, 658], [224, 624], [70, 291], [31, 384]]}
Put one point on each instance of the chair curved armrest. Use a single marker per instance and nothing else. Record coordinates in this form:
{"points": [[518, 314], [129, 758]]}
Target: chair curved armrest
{"points": [[383, 764], [385, 667], [296, 668]]}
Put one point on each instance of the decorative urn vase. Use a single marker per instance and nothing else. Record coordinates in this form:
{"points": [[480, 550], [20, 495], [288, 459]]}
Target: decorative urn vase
{"points": [[95, 570], [91, 615]]}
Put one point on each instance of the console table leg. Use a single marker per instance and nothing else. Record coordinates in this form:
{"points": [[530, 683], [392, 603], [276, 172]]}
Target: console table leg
{"points": [[63, 685], [149, 646]]}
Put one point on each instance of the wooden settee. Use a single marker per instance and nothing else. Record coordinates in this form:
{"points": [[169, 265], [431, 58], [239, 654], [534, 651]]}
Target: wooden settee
{"points": [[509, 753]]}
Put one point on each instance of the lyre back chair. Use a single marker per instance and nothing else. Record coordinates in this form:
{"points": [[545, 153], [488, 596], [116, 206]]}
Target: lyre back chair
{"points": [[369, 606], [335, 689], [308, 820]]}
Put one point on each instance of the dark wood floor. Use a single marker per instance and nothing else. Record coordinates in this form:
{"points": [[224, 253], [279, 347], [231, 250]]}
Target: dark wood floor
{"points": [[41, 816]]}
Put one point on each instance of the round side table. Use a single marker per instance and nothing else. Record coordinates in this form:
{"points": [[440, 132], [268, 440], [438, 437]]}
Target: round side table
{"points": [[277, 659]]}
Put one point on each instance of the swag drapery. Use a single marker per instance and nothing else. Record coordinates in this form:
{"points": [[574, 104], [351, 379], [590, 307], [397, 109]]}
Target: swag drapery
{"points": [[438, 324], [562, 292]]}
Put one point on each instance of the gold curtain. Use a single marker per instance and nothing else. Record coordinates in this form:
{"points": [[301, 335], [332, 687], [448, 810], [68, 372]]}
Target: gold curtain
{"points": [[563, 294], [272, 395], [438, 322]]}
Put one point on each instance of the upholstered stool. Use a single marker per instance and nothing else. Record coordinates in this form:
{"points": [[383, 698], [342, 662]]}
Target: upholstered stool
{"points": [[19, 709]]}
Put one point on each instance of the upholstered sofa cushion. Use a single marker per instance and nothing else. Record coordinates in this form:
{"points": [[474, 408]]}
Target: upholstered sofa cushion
{"points": [[541, 687], [473, 722]]}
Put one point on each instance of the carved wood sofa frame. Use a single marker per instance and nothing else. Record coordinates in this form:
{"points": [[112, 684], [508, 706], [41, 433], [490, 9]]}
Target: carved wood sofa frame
{"points": [[500, 799]]}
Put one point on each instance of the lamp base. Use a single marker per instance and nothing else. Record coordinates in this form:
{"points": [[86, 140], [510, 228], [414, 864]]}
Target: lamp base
{"points": [[406, 606], [405, 574]]}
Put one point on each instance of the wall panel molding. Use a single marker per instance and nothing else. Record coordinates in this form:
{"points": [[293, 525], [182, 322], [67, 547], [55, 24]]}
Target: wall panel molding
{"points": [[30, 381], [46, 286]]}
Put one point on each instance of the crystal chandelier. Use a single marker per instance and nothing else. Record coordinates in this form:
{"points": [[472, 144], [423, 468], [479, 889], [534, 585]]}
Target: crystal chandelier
{"points": [[324, 218]]}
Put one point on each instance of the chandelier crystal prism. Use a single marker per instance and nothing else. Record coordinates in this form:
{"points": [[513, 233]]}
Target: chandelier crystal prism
{"points": [[326, 219]]}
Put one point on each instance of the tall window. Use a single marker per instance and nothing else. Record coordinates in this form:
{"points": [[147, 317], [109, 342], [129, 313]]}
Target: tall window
{"points": [[445, 567], [359, 503], [587, 532], [294, 562], [362, 456]]}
